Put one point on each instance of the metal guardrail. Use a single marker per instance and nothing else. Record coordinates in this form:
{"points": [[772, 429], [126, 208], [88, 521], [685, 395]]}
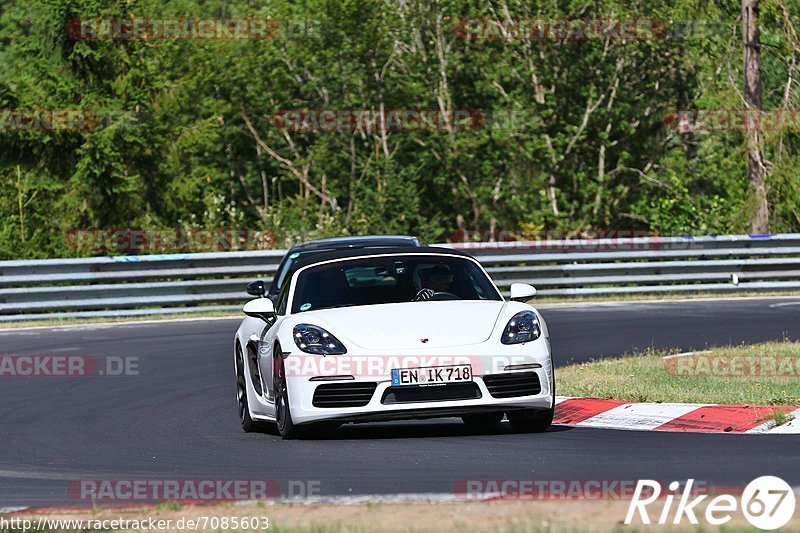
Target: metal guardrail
{"points": [[186, 283]]}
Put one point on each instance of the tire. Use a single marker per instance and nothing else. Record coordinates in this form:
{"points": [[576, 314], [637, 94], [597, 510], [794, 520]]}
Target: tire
{"points": [[482, 420], [283, 411], [248, 424], [535, 420], [318, 430], [531, 420]]}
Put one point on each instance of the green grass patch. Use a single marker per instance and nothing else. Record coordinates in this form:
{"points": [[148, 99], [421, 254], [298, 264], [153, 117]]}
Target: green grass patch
{"points": [[761, 374]]}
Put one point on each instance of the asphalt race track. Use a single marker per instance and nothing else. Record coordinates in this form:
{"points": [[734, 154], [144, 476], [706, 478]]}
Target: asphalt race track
{"points": [[178, 418]]}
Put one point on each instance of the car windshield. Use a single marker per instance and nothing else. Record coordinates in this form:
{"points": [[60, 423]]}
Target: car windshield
{"points": [[391, 279], [287, 265]]}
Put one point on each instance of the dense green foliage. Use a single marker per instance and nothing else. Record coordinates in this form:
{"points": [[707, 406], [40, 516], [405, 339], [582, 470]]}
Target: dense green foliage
{"points": [[588, 145]]}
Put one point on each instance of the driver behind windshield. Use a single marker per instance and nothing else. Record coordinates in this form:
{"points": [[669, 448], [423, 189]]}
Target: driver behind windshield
{"points": [[434, 280]]}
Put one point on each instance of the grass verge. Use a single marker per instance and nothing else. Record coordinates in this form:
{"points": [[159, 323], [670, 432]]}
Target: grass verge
{"points": [[760, 374], [500, 516]]}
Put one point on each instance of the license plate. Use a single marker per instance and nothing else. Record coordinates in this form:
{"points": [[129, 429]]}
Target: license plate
{"points": [[434, 375]]}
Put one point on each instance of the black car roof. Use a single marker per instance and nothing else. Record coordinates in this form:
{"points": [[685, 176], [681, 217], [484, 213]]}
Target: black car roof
{"points": [[360, 241], [360, 252]]}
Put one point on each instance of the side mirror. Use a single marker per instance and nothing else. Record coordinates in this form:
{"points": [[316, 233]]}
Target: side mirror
{"points": [[262, 308], [257, 288], [521, 292]]}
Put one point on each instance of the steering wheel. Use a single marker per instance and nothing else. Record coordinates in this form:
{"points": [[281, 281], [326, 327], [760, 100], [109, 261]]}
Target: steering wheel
{"points": [[428, 294], [442, 295]]}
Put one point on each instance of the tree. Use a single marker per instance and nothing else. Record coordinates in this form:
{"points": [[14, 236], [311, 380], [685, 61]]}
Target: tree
{"points": [[756, 169]]}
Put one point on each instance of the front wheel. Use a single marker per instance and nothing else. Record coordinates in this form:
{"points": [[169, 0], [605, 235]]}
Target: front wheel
{"points": [[535, 420], [248, 424], [283, 411], [530, 420]]}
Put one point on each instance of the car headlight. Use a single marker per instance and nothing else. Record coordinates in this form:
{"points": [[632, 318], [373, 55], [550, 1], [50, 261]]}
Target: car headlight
{"points": [[523, 327], [314, 339]]}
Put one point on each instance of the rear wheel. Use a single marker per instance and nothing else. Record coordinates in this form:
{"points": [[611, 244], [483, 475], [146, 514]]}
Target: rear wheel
{"points": [[482, 420]]}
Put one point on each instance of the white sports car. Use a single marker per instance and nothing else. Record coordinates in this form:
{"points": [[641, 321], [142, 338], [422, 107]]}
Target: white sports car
{"points": [[387, 334]]}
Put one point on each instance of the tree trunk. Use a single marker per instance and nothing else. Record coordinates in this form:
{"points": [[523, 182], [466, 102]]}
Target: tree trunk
{"points": [[756, 170]]}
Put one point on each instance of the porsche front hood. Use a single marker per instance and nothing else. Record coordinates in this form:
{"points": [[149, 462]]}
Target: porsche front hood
{"points": [[402, 326]]}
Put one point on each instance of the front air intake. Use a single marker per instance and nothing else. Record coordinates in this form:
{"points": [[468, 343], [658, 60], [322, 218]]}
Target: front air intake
{"points": [[513, 384], [343, 394]]}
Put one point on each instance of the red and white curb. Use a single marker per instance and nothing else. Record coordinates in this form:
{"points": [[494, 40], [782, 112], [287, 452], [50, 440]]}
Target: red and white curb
{"points": [[685, 417]]}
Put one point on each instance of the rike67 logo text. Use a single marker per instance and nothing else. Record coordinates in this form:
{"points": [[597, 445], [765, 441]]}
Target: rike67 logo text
{"points": [[767, 503]]}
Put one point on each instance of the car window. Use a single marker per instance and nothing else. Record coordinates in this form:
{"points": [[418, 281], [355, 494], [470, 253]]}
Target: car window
{"points": [[392, 279], [283, 270], [369, 277], [288, 263], [281, 300]]}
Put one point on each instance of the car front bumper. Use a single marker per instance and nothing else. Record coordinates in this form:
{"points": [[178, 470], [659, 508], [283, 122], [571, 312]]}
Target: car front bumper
{"points": [[529, 381]]}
